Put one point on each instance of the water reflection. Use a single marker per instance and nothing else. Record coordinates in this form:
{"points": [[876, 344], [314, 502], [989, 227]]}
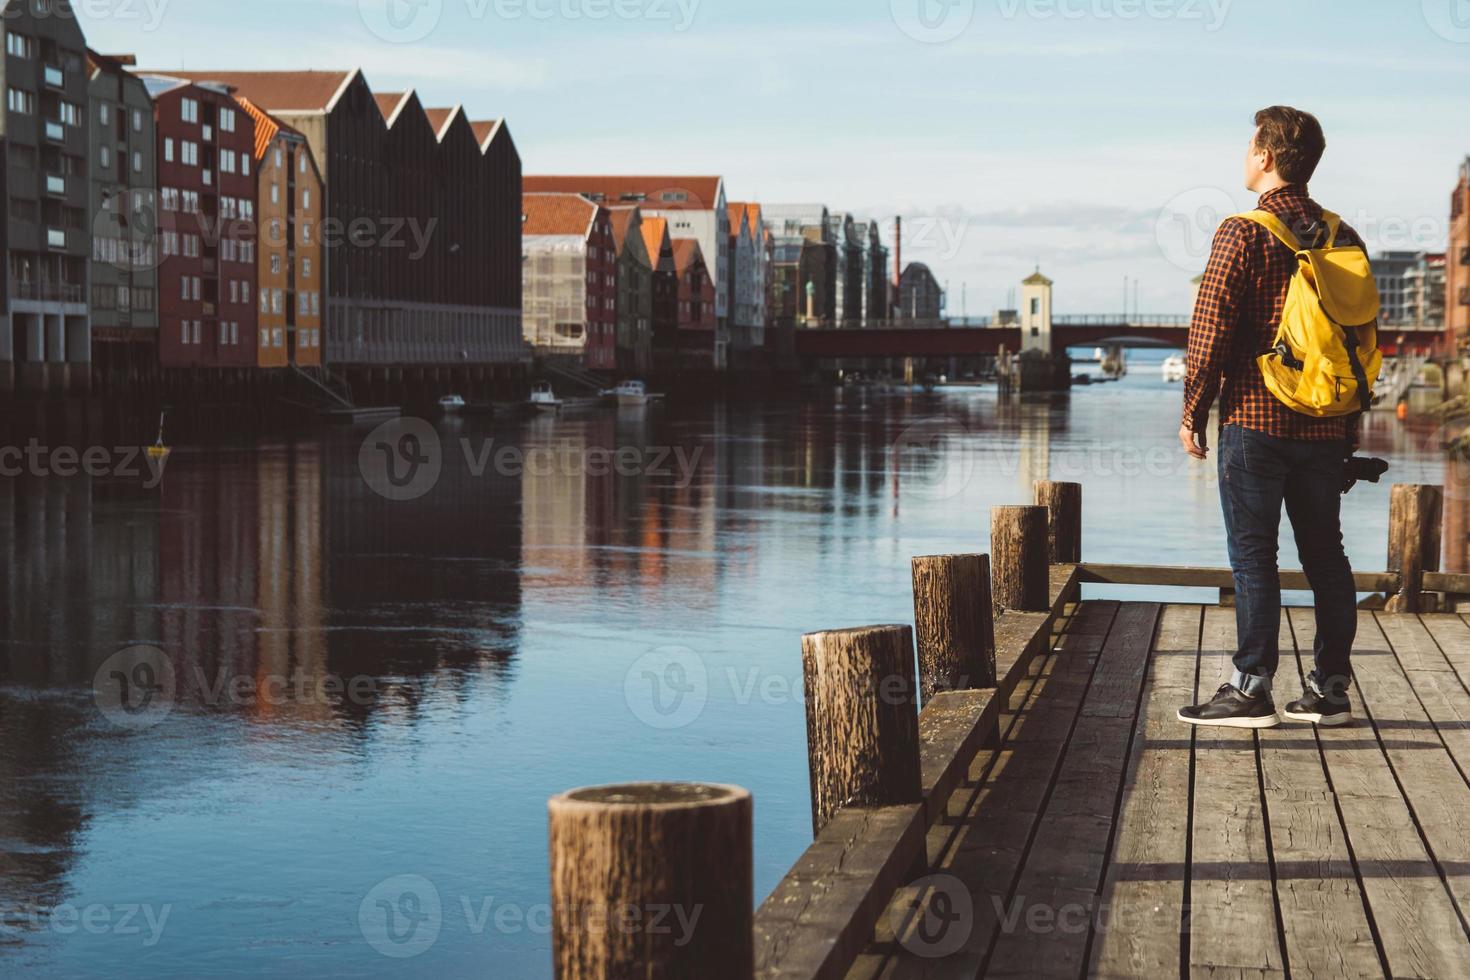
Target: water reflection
{"points": [[493, 624]]}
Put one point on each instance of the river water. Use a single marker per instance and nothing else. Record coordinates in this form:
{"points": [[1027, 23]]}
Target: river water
{"points": [[357, 704]]}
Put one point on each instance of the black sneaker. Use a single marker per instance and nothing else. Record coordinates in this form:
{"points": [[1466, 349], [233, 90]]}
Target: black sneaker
{"points": [[1331, 708], [1232, 708]]}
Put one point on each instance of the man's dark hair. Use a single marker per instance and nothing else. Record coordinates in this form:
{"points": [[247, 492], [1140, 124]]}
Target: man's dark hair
{"points": [[1295, 140]]}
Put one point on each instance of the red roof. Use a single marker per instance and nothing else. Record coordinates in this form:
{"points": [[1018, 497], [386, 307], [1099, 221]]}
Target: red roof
{"points": [[484, 130], [278, 91], [664, 193], [622, 220], [655, 233], [388, 102], [437, 119], [557, 214]]}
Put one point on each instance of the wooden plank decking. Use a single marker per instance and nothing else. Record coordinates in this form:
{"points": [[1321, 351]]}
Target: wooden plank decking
{"points": [[1105, 838]]}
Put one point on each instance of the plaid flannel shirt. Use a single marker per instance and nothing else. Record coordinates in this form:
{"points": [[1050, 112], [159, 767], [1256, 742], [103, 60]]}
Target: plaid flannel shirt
{"points": [[1236, 316]]}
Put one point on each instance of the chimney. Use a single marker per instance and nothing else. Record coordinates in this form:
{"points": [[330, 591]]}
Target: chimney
{"points": [[898, 251]]}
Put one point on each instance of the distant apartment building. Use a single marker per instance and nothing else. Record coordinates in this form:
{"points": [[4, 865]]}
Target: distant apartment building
{"points": [[1424, 288], [206, 225], [570, 288], [635, 292], [806, 262], [749, 270], [698, 293], [1457, 260], [422, 222], [665, 287], [695, 207], [920, 296], [45, 339], [848, 250], [1390, 270], [124, 205], [289, 204]]}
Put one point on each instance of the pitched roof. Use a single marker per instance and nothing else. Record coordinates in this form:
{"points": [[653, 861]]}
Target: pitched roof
{"points": [[438, 119], [751, 213], [664, 193], [266, 126], [389, 103], [557, 214], [622, 220], [1036, 279], [686, 250], [280, 91], [655, 233], [485, 129]]}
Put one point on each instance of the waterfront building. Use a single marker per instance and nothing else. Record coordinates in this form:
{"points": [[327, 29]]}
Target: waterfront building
{"points": [[123, 204], [570, 287], [206, 225], [697, 296], [806, 264], [289, 207], [920, 296], [749, 271], [695, 207], [45, 336], [421, 227], [635, 292], [665, 289], [847, 270], [1457, 260], [873, 273]]}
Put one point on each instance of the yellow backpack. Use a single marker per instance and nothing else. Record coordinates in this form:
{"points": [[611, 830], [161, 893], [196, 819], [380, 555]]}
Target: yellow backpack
{"points": [[1325, 358]]}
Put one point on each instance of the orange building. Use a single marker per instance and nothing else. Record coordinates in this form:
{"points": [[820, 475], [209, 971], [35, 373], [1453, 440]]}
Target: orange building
{"points": [[289, 211], [1457, 262]]}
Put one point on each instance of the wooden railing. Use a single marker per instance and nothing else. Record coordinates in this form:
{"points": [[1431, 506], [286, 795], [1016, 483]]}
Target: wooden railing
{"points": [[883, 772]]}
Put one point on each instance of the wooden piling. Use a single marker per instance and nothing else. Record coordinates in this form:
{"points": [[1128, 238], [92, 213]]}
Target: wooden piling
{"points": [[652, 880], [1415, 522], [1063, 502], [1020, 573], [862, 723], [954, 623]]}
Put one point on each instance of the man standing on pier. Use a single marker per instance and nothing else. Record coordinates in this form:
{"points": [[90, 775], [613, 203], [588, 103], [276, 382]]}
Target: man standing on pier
{"points": [[1269, 454]]}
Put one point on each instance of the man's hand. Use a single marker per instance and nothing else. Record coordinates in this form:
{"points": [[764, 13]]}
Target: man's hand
{"points": [[1197, 444]]}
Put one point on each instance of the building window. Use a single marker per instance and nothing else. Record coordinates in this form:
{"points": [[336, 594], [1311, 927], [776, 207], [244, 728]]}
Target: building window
{"points": [[234, 332], [265, 302], [189, 110], [306, 197], [106, 158], [279, 159], [104, 113], [275, 264], [20, 45], [275, 193], [280, 337], [168, 149], [137, 120], [137, 161], [226, 161], [22, 102], [69, 113], [277, 298], [227, 120], [245, 164], [316, 303], [185, 331], [306, 268], [301, 164]]}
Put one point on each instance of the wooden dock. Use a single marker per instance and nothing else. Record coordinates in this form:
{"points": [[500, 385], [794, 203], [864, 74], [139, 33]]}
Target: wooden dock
{"points": [[1059, 821]]}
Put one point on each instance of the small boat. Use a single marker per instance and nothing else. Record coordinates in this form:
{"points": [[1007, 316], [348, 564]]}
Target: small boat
{"points": [[543, 399], [1173, 368], [630, 394], [451, 404], [158, 450]]}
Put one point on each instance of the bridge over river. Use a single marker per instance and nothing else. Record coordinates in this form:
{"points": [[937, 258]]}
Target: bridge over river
{"points": [[979, 336]]}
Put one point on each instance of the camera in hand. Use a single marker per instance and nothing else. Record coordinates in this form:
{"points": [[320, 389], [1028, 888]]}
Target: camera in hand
{"points": [[1365, 468]]}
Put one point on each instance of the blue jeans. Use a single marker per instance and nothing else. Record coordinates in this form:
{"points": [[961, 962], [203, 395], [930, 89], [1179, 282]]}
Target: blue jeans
{"points": [[1258, 473]]}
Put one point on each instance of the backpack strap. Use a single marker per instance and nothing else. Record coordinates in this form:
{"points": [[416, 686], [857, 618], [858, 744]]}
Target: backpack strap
{"points": [[1275, 226], [1333, 224]]}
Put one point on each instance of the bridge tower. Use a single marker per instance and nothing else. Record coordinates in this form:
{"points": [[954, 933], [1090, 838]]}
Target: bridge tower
{"points": [[1036, 313]]}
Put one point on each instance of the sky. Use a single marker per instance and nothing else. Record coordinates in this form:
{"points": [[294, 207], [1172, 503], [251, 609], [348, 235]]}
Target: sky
{"points": [[1101, 140]]}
